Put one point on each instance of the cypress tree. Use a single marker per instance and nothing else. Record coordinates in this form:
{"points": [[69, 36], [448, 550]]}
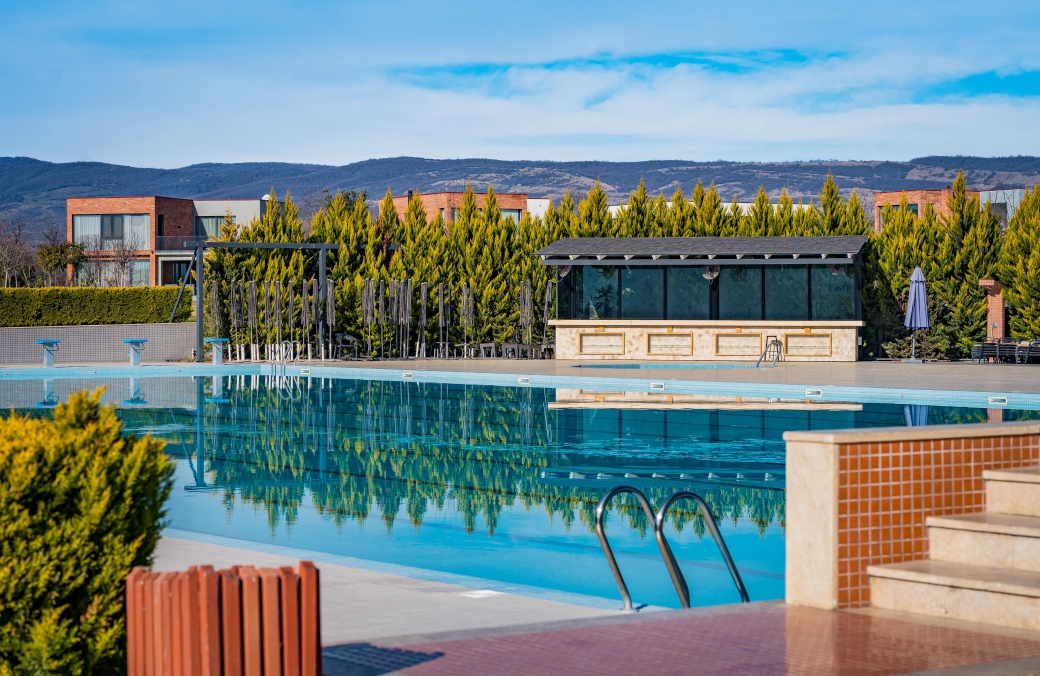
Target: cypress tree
{"points": [[593, 215], [759, 221], [1020, 268], [832, 208], [969, 248], [711, 215], [634, 219], [682, 217], [854, 219], [783, 217], [488, 267]]}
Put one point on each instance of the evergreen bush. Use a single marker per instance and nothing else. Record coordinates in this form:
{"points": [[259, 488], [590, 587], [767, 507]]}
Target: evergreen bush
{"points": [[80, 505], [72, 306]]}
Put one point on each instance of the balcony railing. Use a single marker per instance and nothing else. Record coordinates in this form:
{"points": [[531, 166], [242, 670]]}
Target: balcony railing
{"points": [[174, 242]]}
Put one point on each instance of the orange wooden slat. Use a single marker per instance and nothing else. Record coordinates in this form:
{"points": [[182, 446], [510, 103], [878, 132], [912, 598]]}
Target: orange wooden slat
{"points": [[209, 620], [310, 620], [165, 624], [271, 602], [154, 624], [176, 627], [189, 617], [290, 588], [134, 608], [231, 622], [252, 636]]}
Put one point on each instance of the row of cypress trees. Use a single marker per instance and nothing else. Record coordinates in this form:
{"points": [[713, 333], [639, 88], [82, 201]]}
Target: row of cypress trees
{"points": [[493, 254]]}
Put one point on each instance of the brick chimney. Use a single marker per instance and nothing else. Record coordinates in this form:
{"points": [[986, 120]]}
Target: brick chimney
{"points": [[996, 315]]}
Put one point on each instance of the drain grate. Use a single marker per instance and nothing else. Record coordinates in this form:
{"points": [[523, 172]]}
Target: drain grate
{"points": [[390, 659]]}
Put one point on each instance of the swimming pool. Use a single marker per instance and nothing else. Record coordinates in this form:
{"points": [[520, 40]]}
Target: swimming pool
{"points": [[490, 486]]}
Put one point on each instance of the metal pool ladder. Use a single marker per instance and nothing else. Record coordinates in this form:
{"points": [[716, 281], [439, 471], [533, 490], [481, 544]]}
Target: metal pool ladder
{"points": [[657, 521]]}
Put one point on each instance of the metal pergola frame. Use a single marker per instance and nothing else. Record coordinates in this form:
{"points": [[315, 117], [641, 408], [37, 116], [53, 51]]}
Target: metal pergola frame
{"points": [[200, 247]]}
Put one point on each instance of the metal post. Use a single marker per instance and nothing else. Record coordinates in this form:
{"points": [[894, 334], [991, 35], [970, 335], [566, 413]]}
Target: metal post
{"points": [[321, 299], [200, 309]]}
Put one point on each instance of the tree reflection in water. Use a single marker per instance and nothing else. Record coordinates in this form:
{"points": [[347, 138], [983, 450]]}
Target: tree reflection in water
{"points": [[358, 447]]}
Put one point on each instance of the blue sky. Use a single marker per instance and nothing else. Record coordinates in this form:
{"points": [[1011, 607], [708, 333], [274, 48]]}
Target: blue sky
{"points": [[170, 84]]}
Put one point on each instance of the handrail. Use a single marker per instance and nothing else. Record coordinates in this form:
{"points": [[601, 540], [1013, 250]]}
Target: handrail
{"points": [[657, 523], [600, 509], [681, 588], [776, 354]]}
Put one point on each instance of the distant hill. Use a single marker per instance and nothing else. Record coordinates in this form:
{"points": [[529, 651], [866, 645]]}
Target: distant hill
{"points": [[34, 192]]}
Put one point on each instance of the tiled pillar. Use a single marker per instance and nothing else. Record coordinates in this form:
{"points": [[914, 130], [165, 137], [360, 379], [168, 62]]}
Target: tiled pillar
{"points": [[996, 315]]}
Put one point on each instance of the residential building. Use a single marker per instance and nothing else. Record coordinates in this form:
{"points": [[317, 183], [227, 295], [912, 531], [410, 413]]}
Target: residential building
{"points": [[916, 200], [1003, 202], [447, 204], [140, 241]]}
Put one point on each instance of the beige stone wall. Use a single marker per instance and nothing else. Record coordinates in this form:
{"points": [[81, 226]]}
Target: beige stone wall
{"points": [[703, 340]]}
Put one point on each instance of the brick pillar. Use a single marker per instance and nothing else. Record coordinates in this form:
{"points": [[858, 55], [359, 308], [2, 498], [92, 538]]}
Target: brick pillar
{"points": [[996, 316]]}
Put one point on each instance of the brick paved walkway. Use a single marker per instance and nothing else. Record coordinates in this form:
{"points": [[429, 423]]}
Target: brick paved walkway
{"points": [[772, 640]]}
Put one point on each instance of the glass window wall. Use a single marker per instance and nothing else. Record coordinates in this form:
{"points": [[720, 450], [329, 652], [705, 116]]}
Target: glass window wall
{"points": [[99, 232], [689, 293], [787, 292], [770, 292], [642, 293], [740, 292], [597, 292], [833, 292]]}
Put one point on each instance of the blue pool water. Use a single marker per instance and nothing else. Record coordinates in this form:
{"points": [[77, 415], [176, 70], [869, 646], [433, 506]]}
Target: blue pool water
{"points": [[490, 482]]}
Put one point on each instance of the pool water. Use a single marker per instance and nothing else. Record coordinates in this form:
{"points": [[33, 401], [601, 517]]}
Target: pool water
{"points": [[495, 483]]}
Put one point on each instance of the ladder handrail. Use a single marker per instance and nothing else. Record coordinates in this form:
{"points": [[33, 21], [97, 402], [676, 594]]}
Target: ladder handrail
{"points": [[678, 579], [657, 523], [601, 534], [776, 355]]}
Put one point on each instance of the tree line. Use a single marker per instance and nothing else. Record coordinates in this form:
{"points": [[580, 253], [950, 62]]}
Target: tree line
{"points": [[493, 255]]}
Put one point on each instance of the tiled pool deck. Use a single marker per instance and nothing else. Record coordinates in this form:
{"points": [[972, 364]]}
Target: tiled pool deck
{"points": [[762, 638]]}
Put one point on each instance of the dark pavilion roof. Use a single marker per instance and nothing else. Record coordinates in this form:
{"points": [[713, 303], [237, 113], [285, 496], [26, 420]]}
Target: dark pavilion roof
{"points": [[698, 250]]}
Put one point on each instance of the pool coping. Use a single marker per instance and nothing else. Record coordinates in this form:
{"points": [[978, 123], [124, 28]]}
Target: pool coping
{"points": [[808, 392]]}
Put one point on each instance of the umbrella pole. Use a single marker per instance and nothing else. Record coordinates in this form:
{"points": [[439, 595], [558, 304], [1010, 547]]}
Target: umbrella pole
{"points": [[913, 345]]}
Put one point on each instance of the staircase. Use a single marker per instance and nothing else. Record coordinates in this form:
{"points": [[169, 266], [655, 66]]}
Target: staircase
{"points": [[983, 567]]}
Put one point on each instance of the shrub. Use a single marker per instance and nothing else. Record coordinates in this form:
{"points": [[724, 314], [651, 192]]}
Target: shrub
{"points": [[80, 505], [65, 306]]}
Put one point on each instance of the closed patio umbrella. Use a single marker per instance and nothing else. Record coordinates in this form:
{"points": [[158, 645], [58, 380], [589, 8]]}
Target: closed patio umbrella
{"points": [[916, 309]]}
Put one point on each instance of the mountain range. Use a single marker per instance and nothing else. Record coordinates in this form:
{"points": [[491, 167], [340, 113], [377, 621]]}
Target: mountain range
{"points": [[33, 192]]}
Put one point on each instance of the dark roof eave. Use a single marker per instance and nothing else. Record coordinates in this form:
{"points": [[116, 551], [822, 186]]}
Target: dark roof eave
{"points": [[701, 247]]}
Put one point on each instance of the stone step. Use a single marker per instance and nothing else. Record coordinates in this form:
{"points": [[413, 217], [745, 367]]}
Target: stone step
{"points": [[984, 539], [959, 591], [1013, 491]]}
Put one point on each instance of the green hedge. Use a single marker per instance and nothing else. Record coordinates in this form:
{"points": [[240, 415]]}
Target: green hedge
{"points": [[70, 306]]}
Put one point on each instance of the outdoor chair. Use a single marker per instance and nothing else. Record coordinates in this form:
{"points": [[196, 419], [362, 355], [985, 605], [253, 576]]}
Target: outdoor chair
{"points": [[486, 348], [510, 349], [547, 350], [1027, 351], [345, 343], [525, 351]]}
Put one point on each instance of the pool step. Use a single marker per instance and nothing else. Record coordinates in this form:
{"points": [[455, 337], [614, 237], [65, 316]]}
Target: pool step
{"points": [[985, 539], [986, 594], [982, 567], [1013, 491]]}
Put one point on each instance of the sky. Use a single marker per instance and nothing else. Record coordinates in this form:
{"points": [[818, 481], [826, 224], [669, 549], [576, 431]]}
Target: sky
{"points": [[176, 83]]}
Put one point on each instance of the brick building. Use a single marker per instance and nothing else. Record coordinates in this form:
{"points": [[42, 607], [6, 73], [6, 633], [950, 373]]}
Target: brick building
{"points": [[139, 241], [447, 204], [916, 200]]}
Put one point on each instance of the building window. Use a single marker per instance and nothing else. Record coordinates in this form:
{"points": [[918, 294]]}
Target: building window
{"points": [[454, 214], [740, 292], [159, 225], [110, 273], [597, 291], [512, 213], [209, 226], [642, 293], [442, 213], [689, 293], [787, 292], [111, 231], [833, 292]]}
